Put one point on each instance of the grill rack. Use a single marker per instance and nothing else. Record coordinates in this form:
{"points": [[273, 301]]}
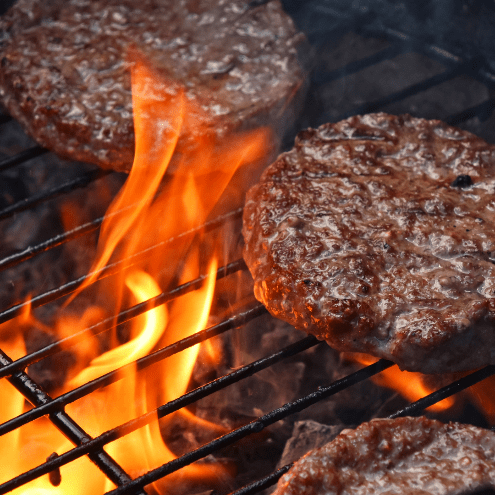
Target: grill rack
{"points": [[400, 43]]}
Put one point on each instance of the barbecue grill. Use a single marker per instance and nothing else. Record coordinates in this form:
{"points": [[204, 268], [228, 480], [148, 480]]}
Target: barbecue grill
{"points": [[353, 44]]}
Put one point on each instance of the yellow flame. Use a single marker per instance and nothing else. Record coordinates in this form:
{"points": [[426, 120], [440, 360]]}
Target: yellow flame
{"points": [[158, 209], [152, 324]]}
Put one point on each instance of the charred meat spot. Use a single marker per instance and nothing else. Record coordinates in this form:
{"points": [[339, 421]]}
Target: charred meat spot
{"points": [[4, 61], [462, 181], [364, 289], [225, 70]]}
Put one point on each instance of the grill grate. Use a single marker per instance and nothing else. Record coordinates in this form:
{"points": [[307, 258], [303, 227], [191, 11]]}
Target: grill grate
{"points": [[334, 27]]}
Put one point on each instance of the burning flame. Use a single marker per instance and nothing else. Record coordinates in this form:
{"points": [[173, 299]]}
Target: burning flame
{"points": [[411, 385], [159, 205], [482, 394]]}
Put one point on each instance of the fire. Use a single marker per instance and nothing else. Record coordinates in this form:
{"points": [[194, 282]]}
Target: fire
{"points": [[482, 394], [411, 385], [160, 203]]}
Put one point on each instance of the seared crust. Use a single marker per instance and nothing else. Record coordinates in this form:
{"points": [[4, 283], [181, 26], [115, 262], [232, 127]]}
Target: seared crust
{"points": [[377, 235], [65, 72], [398, 457]]}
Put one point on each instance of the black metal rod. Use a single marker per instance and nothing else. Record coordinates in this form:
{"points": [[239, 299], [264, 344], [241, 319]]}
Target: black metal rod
{"points": [[187, 399], [27, 253], [476, 67], [119, 319], [267, 419], [57, 404], [253, 427], [65, 424], [373, 106], [68, 186], [23, 156], [30, 251], [482, 111], [357, 65], [106, 271], [444, 392], [411, 409], [263, 483]]}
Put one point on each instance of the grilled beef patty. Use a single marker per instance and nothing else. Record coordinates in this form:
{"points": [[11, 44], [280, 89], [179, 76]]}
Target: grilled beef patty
{"points": [[397, 456], [377, 234], [65, 72]]}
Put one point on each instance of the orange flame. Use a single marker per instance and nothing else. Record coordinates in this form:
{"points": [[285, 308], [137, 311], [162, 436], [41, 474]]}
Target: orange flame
{"points": [[160, 205], [482, 395], [411, 385]]}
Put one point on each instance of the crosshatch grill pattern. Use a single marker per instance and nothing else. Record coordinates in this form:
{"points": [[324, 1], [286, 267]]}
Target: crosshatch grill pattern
{"points": [[14, 371]]}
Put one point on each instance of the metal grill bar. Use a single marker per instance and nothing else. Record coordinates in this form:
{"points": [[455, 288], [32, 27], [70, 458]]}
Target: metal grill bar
{"points": [[475, 67], [108, 270], [412, 409], [253, 427], [29, 252], [373, 106], [162, 411], [358, 65], [68, 186], [264, 483], [122, 317], [482, 111], [34, 394], [240, 318], [401, 43], [446, 391], [22, 157]]}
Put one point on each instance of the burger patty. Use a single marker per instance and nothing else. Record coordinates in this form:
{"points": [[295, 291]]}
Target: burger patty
{"points": [[377, 235], [398, 457], [65, 67]]}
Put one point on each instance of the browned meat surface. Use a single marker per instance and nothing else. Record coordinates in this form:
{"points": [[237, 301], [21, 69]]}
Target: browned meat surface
{"points": [[404, 456], [65, 73], [377, 234]]}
